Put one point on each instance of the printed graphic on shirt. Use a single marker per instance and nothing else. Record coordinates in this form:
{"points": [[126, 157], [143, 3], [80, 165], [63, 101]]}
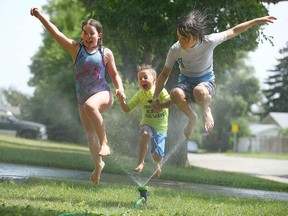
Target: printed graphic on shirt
{"points": [[180, 62], [150, 113]]}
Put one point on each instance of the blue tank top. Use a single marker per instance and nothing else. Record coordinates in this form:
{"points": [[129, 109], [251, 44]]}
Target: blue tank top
{"points": [[90, 74]]}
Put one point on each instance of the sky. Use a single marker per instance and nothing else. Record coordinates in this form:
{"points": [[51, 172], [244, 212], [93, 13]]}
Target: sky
{"points": [[21, 38], [265, 57]]}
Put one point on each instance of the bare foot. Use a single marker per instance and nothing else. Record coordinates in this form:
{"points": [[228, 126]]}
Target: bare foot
{"points": [[188, 129], [105, 150], [139, 168], [208, 119], [190, 125], [95, 176], [158, 171]]}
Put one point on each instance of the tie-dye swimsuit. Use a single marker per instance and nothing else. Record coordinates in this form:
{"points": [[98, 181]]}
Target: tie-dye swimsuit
{"points": [[89, 74]]}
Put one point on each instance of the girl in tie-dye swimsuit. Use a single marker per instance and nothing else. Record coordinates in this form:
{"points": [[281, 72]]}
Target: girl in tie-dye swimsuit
{"points": [[93, 93], [90, 74]]}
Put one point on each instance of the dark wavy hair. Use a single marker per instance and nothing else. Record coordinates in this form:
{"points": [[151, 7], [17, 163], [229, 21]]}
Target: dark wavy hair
{"points": [[194, 23]]}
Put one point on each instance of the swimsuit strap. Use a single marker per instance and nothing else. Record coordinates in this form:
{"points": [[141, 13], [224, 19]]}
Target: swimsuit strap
{"points": [[102, 54]]}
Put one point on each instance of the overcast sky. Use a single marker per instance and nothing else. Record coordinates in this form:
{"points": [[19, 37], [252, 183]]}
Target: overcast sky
{"points": [[21, 37], [264, 58]]}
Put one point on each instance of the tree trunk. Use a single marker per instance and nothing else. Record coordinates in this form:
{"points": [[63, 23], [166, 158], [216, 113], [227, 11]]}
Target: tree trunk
{"points": [[176, 145]]}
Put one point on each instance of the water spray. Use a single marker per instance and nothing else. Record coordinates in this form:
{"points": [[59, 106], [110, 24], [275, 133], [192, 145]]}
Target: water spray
{"points": [[174, 149], [143, 190]]}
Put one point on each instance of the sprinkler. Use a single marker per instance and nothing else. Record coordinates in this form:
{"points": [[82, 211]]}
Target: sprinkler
{"points": [[143, 195]]}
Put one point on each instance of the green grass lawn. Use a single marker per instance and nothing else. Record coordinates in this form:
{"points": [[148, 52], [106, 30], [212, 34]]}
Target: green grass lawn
{"points": [[36, 197], [53, 197]]}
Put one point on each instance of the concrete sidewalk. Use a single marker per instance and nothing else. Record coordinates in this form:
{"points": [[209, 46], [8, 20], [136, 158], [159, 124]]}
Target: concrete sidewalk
{"points": [[276, 170], [21, 172]]}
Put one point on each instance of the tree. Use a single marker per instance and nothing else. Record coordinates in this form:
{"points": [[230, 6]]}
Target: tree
{"points": [[54, 100], [143, 31], [273, 1], [137, 32], [14, 97], [277, 90], [232, 105]]}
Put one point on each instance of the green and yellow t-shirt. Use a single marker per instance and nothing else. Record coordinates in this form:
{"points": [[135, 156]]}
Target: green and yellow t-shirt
{"points": [[157, 120]]}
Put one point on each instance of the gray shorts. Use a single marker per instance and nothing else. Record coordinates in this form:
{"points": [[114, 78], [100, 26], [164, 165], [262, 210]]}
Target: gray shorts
{"points": [[188, 88]]}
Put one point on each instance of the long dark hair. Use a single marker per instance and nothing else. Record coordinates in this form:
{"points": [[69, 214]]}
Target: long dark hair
{"points": [[98, 27]]}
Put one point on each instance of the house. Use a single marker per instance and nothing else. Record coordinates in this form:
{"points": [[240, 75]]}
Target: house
{"points": [[265, 135], [257, 129], [277, 118]]}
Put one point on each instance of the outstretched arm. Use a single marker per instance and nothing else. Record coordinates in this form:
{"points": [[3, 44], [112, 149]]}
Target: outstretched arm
{"points": [[122, 100], [113, 73], [67, 43], [160, 84], [166, 104], [238, 29], [124, 105]]}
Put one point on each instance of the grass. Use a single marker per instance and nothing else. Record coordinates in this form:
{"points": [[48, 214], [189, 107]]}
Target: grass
{"points": [[50, 154], [36, 197], [53, 197]]}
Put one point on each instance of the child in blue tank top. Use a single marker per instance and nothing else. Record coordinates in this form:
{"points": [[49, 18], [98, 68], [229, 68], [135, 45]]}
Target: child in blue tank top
{"points": [[93, 94]]}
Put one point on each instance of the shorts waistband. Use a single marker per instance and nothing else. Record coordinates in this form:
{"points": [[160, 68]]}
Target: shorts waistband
{"points": [[207, 77]]}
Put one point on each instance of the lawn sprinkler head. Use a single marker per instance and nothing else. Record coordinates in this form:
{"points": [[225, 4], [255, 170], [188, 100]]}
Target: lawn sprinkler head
{"points": [[143, 195], [143, 192]]}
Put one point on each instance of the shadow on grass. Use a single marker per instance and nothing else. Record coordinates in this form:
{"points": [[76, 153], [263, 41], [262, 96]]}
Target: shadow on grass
{"points": [[25, 211]]}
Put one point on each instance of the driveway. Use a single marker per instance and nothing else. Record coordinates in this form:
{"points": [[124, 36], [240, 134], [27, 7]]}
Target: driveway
{"points": [[276, 170]]}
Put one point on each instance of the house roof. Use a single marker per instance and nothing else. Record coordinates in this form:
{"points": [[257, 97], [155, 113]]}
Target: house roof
{"points": [[261, 128], [279, 118]]}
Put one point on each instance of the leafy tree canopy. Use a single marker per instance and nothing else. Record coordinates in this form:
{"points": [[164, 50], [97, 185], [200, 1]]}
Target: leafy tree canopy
{"points": [[277, 82], [143, 31], [137, 32]]}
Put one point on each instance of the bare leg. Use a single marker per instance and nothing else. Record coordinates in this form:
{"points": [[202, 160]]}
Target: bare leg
{"points": [[93, 107], [203, 98], [157, 161], [143, 148], [94, 148], [93, 144], [178, 97]]}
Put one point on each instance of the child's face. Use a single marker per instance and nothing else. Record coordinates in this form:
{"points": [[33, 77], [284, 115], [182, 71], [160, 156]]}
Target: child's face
{"points": [[90, 36], [145, 79], [186, 42]]}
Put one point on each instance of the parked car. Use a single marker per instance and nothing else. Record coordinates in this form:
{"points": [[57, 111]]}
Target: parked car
{"points": [[192, 146], [12, 126]]}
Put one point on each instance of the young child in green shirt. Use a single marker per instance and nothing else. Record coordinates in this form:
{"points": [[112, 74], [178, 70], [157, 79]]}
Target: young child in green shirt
{"points": [[154, 124]]}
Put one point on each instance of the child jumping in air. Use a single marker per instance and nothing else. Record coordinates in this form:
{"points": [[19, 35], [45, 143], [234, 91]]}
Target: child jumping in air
{"points": [[194, 53], [94, 96], [154, 124]]}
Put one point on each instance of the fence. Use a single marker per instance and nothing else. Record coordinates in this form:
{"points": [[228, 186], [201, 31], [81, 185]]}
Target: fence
{"points": [[264, 144]]}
